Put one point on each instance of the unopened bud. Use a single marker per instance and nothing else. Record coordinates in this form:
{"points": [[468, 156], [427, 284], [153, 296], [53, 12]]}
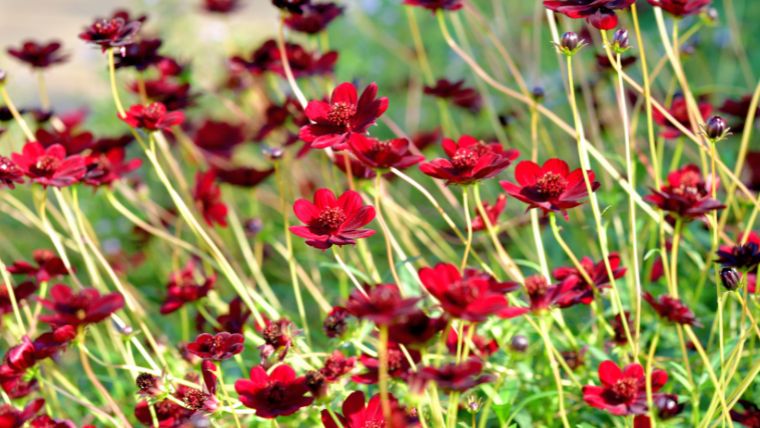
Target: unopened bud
{"points": [[730, 278]]}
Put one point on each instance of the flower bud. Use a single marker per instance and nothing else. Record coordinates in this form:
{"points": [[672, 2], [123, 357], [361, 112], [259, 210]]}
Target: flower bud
{"points": [[716, 128], [730, 278], [519, 343], [620, 41]]}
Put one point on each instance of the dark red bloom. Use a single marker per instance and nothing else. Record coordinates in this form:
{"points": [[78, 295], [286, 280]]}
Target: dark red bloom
{"points": [[744, 257], [551, 186], [279, 393], [49, 166], [467, 98], [687, 194], [381, 304], [208, 198], [10, 417], [599, 13], [749, 417], [399, 366], [672, 309], [139, 55], [220, 346], [218, 138], [623, 392], [183, 288], [435, 5], [221, 6], [739, 110], [333, 221], [415, 328], [49, 266], [21, 292], [577, 289], [333, 122], [105, 168], [39, 55], [482, 347], [681, 8], [267, 58], [492, 212], [10, 173], [470, 160], [456, 377], [85, 307], [472, 297], [314, 18], [110, 33], [358, 415], [153, 117], [335, 323], [383, 154], [679, 110]]}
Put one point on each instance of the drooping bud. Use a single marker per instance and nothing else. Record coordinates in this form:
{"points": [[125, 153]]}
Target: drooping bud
{"points": [[716, 129], [620, 42], [730, 278]]}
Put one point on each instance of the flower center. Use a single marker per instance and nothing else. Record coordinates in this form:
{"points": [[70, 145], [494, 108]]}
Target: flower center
{"points": [[329, 220], [45, 166], [536, 285], [465, 158], [341, 113], [550, 185], [626, 389]]}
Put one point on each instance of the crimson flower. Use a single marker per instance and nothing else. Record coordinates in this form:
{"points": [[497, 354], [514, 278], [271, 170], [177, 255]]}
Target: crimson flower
{"points": [[379, 154], [456, 377], [105, 168], [599, 13], [686, 195], [551, 186], [153, 117], [680, 8], [435, 5], [333, 221], [48, 266], [749, 417], [39, 55], [672, 309], [279, 393], [381, 304], [20, 292], [110, 33], [415, 328], [481, 345], [218, 138], [399, 366], [221, 6], [333, 122], [139, 55], [220, 346], [10, 417], [623, 392], [472, 297], [10, 173], [357, 414], [744, 257], [49, 166], [184, 288], [208, 198], [680, 112], [78, 309], [577, 288], [467, 98], [492, 213], [469, 161], [315, 17]]}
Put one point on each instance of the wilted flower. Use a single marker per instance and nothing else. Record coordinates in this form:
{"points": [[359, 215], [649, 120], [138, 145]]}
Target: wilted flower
{"points": [[279, 393], [469, 161], [623, 392], [599, 13]]}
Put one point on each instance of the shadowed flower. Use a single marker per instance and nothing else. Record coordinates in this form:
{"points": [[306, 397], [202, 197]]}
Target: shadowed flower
{"points": [[551, 186], [744, 257], [10, 173], [279, 393], [184, 288], [49, 166], [470, 161], [680, 112], [455, 377], [87, 306], [686, 195], [220, 6], [381, 304], [436, 5], [623, 392], [315, 17], [208, 198], [220, 346], [39, 55], [139, 55], [345, 113], [105, 168], [749, 417], [218, 138], [153, 117], [467, 98], [672, 309], [577, 287], [333, 221], [383, 154], [599, 13], [472, 297], [681, 8], [48, 266], [492, 213], [358, 415], [110, 33]]}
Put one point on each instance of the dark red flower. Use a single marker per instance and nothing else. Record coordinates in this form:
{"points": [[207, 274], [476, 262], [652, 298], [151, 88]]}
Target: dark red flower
{"points": [[10, 417], [335, 323], [551, 186], [436, 5], [314, 18], [39, 55], [221, 6], [20, 292], [73, 141], [208, 198], [242, 176], [78, 309], [415, 328], [739, 110], [10, 173], [218, 138], [381, 304], [49, 266], [467, 98], [105, 168], [49, 166], [492, 212], [358, 415], [470, 160], [267, 58], [577, 289], [109, 33], [672, 309], [481, 346], [184, 288], [220, 346], [681, 8], [749, 417], [456, 377], [686, 195], [333, 221], [599, 13], [623, 392], [472, 297], [679, 110], [153, 117], [383, 154], [333, 122], [139, 55], [279, 393], [399, 366], [744, 257]]}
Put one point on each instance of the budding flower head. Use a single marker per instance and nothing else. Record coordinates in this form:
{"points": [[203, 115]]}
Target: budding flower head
{"points": [[716, 129], [570, 43], [620, 41], [730, 278]]}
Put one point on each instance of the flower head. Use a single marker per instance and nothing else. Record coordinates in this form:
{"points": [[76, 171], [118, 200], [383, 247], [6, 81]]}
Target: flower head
{"points": [[78, 309], [623, 392], [220, 346], [49, 166], [672, 309], [39, 55], [681, 8], [315, 17], [110, 33], [381, 304], [686, 195], [279, 393], [153, 117], [379, 154], [357, 414], [333, 221], [469, 161], [680, 112], [467, 98], [599, 13]]}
